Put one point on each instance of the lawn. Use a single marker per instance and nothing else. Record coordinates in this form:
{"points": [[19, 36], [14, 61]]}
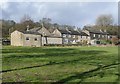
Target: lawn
{"points": [[60, 64]]}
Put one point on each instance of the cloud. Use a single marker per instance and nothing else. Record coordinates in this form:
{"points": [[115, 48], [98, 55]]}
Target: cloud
{"points": [[72, 13]]}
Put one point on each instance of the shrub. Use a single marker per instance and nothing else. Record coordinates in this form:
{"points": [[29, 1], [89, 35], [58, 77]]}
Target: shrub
{"points": [[84, 42], [114, 40], [106, 42]]}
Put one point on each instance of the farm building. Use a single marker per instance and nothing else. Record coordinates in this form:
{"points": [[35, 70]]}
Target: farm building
{"points": [[34, 37], [97, 35], [47, 37], [26, 38]]}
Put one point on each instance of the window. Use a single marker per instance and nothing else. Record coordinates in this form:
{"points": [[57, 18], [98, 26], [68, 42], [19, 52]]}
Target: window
{"points": [[66, 40], [27, 38], [99, 36], [93, 35], [64, 35], [74, 41], [73, 36], [81, 36], [69, 35], [35, 39]]}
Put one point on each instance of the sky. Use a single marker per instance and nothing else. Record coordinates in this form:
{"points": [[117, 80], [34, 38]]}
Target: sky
{"points": [[72, 13]]}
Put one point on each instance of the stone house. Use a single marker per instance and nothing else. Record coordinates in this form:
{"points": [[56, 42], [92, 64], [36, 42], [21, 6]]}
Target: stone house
{"points": [[84, 37], [47, 37], [34, 37], [26, 38], [64, 34], [97, 35], [70, 36], [74, 36], [78, 37], [41, 36]]}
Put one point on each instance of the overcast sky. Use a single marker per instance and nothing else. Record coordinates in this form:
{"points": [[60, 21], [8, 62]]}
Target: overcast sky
{"points": [[72, 13]]}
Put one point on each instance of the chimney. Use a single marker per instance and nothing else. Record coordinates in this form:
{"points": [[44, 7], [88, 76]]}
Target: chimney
{"points": [[76, 28], [67, 28], [105, 30], [42, 25], [53, 27], [28, 27], [100, 30]]}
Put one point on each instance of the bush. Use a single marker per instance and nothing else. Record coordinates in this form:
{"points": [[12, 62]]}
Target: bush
{"points": [[114, 40], [106, 42], [109, 42]]}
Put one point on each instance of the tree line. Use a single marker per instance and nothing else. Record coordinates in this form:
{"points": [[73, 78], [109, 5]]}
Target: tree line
{"points": [[103, 22]]}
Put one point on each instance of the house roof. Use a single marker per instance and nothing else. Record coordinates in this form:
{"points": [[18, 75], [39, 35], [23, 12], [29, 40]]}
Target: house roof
{"points": [[35, 29], [39, 28], [95, 31], [98, 32], [64, 31], [105, 33], [84, 34], [72, 32]]}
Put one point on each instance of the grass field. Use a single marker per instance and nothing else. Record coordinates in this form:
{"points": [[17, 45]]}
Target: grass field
{"points": [[60, 64]]}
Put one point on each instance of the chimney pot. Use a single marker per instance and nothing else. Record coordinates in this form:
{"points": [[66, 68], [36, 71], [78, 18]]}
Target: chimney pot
{"points": [[28, 27]]}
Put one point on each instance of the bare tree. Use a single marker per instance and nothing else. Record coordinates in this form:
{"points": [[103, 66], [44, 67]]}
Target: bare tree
{"points": [[104, 20], [45, 20], [26, 17], [24, 22]]}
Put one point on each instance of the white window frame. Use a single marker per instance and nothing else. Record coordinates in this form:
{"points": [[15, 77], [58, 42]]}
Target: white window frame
{"points": [[73, 36], [64, 35], [69, 35], [99, 36], [74, 41], [102, 36], [66, 40], [93, 35], [81, 36]]}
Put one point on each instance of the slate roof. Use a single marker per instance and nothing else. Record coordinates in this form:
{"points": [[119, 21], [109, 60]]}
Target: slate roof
{"points": [[64, 31], [35, 29], [95, 31], [84, 34], [98, 32], [72, 32], [105, 33]]}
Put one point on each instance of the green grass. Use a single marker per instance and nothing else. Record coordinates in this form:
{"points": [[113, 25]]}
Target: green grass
{"points": [[60, 64]]}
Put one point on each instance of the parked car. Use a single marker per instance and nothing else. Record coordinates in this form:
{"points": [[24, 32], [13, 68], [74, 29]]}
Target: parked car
{"points": [[5, 41]]}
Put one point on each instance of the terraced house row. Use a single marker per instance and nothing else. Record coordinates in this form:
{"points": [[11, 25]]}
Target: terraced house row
{"points": [[40, 36]]}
